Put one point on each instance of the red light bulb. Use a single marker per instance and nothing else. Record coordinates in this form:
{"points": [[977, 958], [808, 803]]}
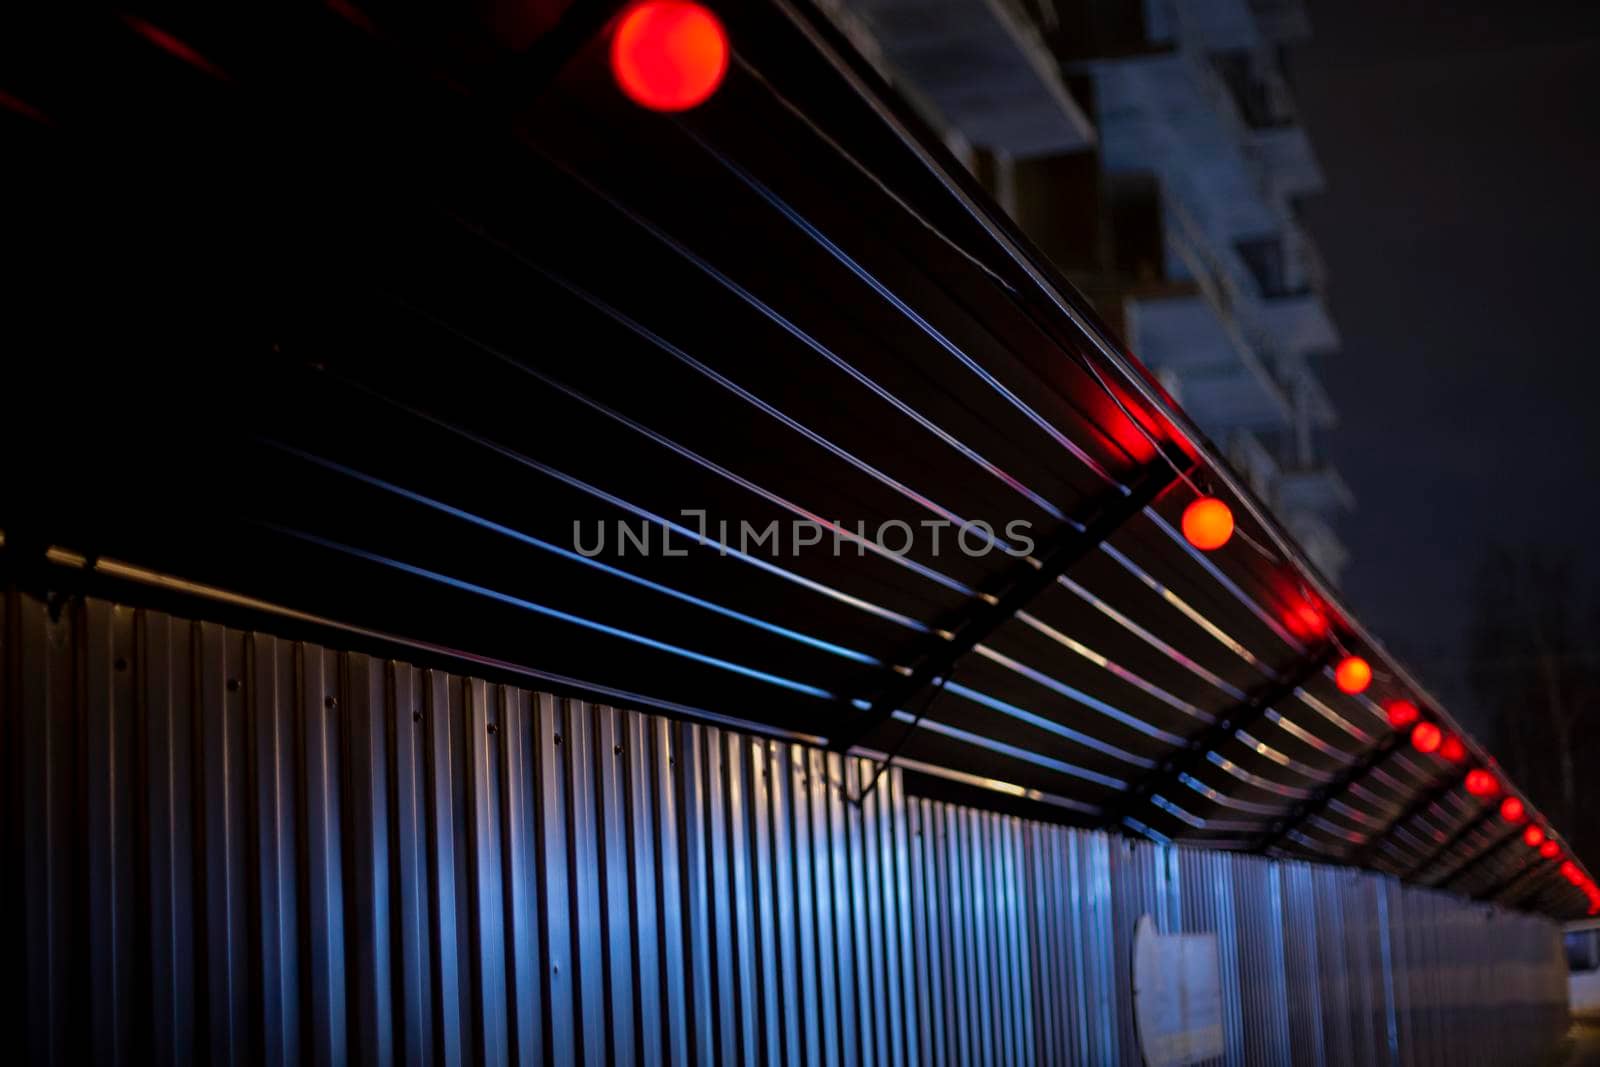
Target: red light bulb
{"points": [[1207, 523], [1452, 749], [1353, 675], [1550, 850], [1402, 713], [1480, 783], [1512, 809], [1533, 837], [1425, 737], [669, 55]]}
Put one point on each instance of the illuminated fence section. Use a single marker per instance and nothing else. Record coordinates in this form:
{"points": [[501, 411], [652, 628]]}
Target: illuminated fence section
{"points": [[229, 847]]}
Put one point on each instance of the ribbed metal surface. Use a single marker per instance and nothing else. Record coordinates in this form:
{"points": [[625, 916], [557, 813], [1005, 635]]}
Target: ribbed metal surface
{"points": [[228, 847]]}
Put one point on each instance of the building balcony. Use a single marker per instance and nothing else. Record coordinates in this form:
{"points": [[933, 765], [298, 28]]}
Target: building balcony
{"points": [[1174, 115], [1255, 461], [1287, 163], [1293, 326], [1317, 488], [1222, 382], [1078, 30], [1282, 21], [1205, 25], [981, 67], [1318, 541]]}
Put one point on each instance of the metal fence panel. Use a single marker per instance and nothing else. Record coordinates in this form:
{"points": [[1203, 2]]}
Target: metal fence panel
{"points": [[239, 848]]}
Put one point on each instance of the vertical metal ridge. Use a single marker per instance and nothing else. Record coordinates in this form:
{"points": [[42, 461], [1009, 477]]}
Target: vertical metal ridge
{"points": [[238, 848]]}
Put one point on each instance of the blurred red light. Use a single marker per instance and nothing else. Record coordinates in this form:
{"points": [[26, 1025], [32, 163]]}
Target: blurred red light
{"points": [[1480, 783], [1550, 850], [1533, 837], [1207, 523], [1425, 737], [1512, 810], [669, 55], [1402, 713], [173, 46], [1353, 675], [1305, 621], [1452, 749], [23, 108]]}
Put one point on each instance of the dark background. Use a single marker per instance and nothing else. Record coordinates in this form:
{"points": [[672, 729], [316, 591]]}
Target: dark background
{"points": [[1460, 229]]}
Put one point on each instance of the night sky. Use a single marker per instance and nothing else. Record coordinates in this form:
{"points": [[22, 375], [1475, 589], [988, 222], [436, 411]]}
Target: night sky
{"points": [[1461, 234]]}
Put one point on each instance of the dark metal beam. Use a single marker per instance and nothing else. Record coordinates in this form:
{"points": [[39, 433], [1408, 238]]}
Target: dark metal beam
{"points": [[1527, 885], [1464, 870], [1428, 799], [1309, 808], [1167, 774], [1518, 881], [935, 656], [1435, 855], [1556, 895]]}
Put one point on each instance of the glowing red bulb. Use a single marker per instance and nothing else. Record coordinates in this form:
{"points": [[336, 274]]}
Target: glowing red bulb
{"points": [[1570, 872], [1207, 523], [1512, 809], [1533, 837], [669, 55], [1353, 675], [1550, 850], [1425, 737], [1402, 713], [1452, 749], [1480, 783]]}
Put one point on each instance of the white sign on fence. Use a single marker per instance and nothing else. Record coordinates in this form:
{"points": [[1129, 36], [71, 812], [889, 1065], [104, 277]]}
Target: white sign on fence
{"points": [[1177, 996]]}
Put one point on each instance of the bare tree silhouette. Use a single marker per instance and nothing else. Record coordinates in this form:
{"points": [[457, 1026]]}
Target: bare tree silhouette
{"points": [[1534, 669]]}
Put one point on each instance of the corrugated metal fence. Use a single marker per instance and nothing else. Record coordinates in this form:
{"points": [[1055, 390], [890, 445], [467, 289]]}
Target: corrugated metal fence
{"points": [[229, 847]]}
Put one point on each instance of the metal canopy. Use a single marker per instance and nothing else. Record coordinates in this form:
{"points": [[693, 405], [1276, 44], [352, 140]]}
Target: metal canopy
{"points": [[366, 335]]}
